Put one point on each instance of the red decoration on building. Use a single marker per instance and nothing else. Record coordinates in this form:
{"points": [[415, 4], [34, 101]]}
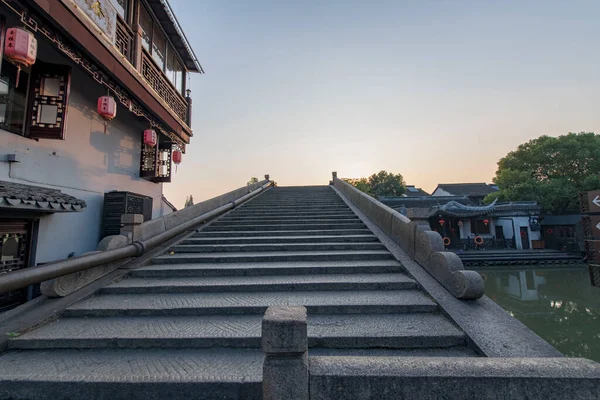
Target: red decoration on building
{"points": [[550, 231], [20, 47], [177, 156], [442, 222], [486, 222], [107, 107], [150, 138]]}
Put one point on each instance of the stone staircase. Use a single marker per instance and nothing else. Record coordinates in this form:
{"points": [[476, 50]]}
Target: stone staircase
{"points": [[190, 323]]}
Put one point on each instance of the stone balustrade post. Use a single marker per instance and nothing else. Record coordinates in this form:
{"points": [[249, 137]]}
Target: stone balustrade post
{"points": [[285, 344], [267, 177], [130, 225]]}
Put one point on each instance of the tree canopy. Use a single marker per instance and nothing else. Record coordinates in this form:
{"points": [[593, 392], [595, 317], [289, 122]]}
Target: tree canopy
{"points": [[252, 181], [380, 184], [189, 201], [551, 171]]}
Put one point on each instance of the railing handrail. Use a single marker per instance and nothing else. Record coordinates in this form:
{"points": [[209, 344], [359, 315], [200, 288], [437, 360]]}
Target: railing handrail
{"points": [[28, 276]]}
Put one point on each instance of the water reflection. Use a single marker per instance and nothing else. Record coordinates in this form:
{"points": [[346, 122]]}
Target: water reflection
{"points": [[560, 305]]}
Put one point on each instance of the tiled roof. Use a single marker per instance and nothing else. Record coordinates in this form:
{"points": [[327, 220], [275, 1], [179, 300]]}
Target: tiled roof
{"points": [[36, 198], [412, 191], [423, 201], [467, 189], [455, 209]]}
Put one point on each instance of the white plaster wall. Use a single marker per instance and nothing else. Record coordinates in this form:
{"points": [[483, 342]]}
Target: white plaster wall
{"points": [[86, 164], [465, 230], [507, 227]]}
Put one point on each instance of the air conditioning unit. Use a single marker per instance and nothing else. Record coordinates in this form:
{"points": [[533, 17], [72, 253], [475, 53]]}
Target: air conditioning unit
{"points": [[117, 203]]}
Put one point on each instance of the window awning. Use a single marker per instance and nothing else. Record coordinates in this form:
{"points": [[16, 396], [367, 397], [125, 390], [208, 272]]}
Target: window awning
{"points": [[16, 196]]}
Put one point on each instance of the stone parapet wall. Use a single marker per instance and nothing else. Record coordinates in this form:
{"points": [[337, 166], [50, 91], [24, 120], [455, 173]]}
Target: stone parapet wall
{"points": [[419, 242], [136, 231]]}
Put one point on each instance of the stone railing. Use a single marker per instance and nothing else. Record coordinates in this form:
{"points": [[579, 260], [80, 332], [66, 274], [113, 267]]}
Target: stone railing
{"points": [[290, 373], [135, 230], [418, 241]]}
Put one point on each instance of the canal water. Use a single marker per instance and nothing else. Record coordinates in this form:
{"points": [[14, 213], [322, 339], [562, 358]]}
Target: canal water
{"points": [[557, 303]]}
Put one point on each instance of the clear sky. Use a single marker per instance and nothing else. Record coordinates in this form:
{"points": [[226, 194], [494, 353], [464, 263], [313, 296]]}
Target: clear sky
{"points": [[435, 90]]}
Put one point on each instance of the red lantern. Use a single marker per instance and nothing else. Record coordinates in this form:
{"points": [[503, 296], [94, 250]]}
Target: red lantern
{"points": [[107, 107], [150, 137], [442, 222], [20, 47], [177, 156], [486, 222]]}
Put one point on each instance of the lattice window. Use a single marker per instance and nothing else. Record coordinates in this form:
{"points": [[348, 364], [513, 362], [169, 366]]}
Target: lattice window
{"points": [[157, 80], [124, 39], [49, 97]]}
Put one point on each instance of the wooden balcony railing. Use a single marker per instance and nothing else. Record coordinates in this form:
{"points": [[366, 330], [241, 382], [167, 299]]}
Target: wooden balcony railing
{"points": [[159, 82], [124, 39]]}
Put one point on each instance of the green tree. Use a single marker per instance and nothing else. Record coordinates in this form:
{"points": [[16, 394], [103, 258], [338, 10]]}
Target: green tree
{"points": [[189, 201], [252, 180], [380, 184], [551, 171]]}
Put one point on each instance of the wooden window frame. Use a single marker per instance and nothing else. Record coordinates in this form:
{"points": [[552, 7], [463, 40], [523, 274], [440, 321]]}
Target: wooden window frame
{"points": [[169, 48], [41, 70]]}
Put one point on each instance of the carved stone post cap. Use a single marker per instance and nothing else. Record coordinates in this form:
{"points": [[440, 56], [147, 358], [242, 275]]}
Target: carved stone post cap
{"points": [[132, 219], [267, 176], [284, 330], [334, 174]]}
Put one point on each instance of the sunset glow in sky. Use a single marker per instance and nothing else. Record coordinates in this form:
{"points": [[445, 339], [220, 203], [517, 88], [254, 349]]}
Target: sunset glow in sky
{"points": [[435, 90]]}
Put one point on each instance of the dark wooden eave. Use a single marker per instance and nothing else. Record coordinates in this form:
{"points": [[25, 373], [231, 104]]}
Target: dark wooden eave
{"points": [[113, 62]]}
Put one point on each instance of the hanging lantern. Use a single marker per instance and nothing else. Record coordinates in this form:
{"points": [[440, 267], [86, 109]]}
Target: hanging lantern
{"points": [[150, 137], [107, 107], [20, 47], [442, 222], [486, 222], [177, 156]]}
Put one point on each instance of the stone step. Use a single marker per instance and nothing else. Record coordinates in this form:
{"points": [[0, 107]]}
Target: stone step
{"points": [[394, 281], [241, 212], [283, 232], [299, 218], [318, 302], [267, 247], [273, 256], [283, 222], [217, 227], [291, 208], [282, 239], [132, 374], [360, 331], [267, 268]]}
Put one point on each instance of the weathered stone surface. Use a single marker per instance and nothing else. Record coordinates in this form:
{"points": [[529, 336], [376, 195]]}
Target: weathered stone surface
{"points": [[411, 378], [67, 284], [149, 229], [448, 269], [286, 378], [132, 219], [426, 243], [284, 330]]}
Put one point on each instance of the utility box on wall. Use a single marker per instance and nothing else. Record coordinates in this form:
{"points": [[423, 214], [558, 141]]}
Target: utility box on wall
{"points": [[119, 203]]}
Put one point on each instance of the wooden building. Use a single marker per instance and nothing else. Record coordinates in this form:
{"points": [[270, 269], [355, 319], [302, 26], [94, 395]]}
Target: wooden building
{"points": [[60, 151]]}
